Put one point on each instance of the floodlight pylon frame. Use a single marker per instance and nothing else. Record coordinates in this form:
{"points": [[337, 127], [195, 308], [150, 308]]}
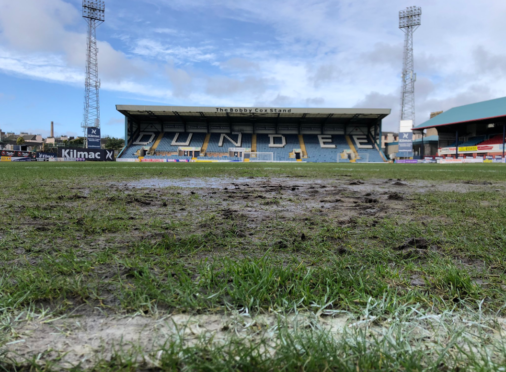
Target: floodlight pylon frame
{"points": [[409, 21], [94, 13]]}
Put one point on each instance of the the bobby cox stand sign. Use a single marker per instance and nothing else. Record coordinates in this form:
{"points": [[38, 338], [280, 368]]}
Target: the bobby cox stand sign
{"points": [[88, 154], [93, 138]]}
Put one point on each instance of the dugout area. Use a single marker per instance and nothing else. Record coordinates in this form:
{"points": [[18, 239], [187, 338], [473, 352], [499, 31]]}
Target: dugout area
{"points": [[224, 133]]}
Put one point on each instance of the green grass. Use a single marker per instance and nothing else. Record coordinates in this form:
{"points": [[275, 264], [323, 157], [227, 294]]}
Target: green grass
{"points": [[71, 240], [28, 173]]}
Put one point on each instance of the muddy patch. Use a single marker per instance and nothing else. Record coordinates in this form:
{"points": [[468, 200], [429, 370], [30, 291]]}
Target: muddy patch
{"points": [[313, 186], [215, 183], [257, 200]]}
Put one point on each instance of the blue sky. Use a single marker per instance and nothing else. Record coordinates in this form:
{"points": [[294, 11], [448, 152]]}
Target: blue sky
{"points": [[294, 53]]}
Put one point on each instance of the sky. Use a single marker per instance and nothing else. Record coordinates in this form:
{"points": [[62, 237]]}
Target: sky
{"points": [[248, 53]]}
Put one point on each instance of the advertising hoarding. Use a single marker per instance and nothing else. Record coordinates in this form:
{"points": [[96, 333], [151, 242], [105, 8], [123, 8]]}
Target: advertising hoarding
{"points": [[94, 138], [88, 154]]}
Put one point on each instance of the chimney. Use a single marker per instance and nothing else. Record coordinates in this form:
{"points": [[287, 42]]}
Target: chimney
{"points": [[52, 130]]}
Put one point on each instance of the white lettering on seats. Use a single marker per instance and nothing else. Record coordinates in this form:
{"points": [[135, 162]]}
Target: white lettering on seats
{"points": [[326, 139], [237, 144], [142, 134], [187, 143], [274, 145], [362, 142]]}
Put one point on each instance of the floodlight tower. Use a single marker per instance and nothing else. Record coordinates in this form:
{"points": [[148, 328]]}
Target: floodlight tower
{"points": [[409, 21], [94, 13]]}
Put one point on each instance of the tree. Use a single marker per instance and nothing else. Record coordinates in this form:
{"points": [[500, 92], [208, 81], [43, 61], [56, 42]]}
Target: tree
{"points": [[115, 144], [20, 141], [77, 141]]}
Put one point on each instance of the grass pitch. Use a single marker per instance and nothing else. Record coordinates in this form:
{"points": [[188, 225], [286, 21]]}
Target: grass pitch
{"points": [[259, 267]]}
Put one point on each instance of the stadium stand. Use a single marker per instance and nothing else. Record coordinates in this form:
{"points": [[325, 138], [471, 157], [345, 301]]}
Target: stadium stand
{"points": [[472, 141], [280, 153], [364, 145], [214, 143], [479, 140], [197, 140], [141, 142], [276, 131], [496, 140], [130, 152], [317, 154], [337, 144]]}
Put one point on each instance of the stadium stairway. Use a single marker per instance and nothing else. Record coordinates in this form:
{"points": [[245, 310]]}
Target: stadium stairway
{"points": [[302, 146], [206, 144], [155, 145], [364, 145], [130, 151], [377, 147], [317, 154]]}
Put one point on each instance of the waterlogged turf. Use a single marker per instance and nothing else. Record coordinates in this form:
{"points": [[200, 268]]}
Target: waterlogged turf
{"points": [[213, 266]]}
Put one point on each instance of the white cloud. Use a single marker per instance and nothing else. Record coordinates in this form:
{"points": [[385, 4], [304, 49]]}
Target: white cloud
{"points": [[36, 41], [155, 49]]}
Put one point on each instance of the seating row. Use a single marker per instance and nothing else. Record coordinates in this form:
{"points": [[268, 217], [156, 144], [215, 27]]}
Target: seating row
{"points": [[314, 148]]}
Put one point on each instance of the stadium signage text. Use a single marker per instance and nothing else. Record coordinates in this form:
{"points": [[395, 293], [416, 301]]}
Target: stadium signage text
{"points": [[405, 142], [472, 149], [94, 138], [88, 154], [254, 110]]}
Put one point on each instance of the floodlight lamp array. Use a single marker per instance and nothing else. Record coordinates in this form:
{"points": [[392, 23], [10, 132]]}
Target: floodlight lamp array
{"points": [[411, 17], [94, 9]]}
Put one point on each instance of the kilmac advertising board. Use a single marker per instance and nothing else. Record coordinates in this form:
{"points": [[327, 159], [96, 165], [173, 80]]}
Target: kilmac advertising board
{"points": [[93, 138], [88, 154]]}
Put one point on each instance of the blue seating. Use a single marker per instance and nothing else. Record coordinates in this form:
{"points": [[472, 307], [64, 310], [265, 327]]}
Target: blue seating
{"points": [[214, 141], [472, 141], [469, 143], [131, 150], [279, 153], [315, 152], [374, 155], [165, 144]]}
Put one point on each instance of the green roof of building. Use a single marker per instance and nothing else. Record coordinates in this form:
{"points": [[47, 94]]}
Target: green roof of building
{"points": [[492, 109]]}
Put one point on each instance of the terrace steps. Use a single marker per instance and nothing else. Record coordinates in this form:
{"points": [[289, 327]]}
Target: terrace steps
{"points": [[155, 145], [206, 143], [352, 147], [302, 146]]}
